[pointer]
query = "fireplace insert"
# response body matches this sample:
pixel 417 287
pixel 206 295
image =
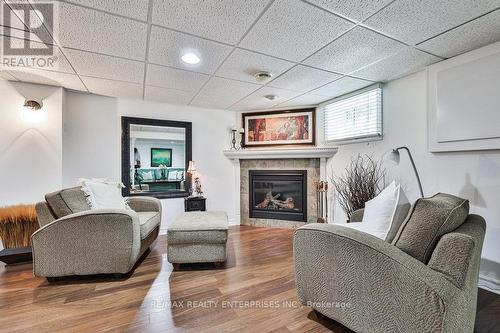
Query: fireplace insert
pixel 278 194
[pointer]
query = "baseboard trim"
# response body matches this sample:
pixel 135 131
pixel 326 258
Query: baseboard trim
pixel 489 284
pixel 233 221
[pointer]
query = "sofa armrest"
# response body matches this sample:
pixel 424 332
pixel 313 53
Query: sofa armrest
pixel 90 242
pixel 144 204
pixel 452 257
pixel 357 215
pixel 366 283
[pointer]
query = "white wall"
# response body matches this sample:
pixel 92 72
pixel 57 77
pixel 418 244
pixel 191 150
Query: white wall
pixel 94 122
pixel 30 143
pixel 472 175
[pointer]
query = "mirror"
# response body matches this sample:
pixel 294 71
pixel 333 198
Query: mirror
pixel 155 156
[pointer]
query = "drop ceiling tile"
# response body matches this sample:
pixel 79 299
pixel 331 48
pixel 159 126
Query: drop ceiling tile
pixel 113 88
pixel 480 32
pixel 166 95
pixel 166 48
pixel 55 62
pixel 257 100
pixel 221 93
pixel 130 8
pixel 302 78
pixel 106 67
pixel 242 65
pixel 211 102
pixel 304 100
pixel 90 30
pixel 66 80
pixel 415 21
pixel 354 9
pixel 225 21
pixel 173 78
pixel 402 63
pixel 357 48
pixel 294 30
pixel 341 87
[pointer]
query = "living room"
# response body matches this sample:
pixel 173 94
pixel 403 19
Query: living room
pixel 255 166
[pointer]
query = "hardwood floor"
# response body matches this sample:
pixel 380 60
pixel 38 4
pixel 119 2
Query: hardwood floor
pixel 253 293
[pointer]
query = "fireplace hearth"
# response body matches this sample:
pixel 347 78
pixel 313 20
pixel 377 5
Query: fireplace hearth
pixel 278 194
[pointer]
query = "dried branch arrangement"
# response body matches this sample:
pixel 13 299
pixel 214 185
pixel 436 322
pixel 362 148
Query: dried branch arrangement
pixel 17 224
pixel 363 179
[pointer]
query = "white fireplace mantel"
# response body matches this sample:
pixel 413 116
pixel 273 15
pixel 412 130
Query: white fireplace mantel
pixel 322 153
pixel 246 154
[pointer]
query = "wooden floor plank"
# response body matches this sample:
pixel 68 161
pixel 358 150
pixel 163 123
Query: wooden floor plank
pixel 235 298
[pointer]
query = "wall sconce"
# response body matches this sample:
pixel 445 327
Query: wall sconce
pixel 33 105
pixel 32 111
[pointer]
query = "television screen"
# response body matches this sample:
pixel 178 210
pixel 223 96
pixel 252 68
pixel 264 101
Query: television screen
pixel 161 156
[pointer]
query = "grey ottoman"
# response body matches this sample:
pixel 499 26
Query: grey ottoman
pixel 196 237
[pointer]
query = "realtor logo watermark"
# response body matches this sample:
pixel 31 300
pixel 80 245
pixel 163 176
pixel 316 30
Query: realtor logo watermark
pixel 30 46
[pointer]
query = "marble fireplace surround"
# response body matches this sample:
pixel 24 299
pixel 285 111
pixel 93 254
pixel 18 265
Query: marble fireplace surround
pixel 312 159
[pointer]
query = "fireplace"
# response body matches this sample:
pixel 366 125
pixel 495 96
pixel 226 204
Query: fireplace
pixel 278 194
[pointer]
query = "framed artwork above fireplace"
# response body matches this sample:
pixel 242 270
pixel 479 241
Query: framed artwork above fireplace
pixel 278 128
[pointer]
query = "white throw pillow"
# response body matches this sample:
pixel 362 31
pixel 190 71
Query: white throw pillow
pixel 103 194
pixel 385 213
pixel 364 227
pixel 379 211
pixel 172 175
pixel 148 175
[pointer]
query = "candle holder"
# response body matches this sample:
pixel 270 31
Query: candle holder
pixel 233 141
pixel 242 137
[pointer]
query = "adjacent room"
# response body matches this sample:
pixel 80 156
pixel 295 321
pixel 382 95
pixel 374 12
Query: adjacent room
pixel 250 166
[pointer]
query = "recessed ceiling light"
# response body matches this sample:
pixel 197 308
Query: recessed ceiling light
pixel 190 58
pixel 262 76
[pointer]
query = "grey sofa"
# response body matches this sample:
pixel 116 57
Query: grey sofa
pixel 424 281
pixel 74 240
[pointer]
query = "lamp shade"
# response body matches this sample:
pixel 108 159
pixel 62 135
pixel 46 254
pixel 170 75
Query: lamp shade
pixel 392 155
pixel 191 167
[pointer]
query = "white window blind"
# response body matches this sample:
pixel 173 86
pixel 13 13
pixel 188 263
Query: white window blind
pixel 355 117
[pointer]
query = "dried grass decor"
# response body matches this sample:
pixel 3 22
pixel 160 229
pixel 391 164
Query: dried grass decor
pixel 17 224
pixel 362 180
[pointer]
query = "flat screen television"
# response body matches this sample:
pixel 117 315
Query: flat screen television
pixel 161 156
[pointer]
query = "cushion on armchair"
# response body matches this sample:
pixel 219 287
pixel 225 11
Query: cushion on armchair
pixel 429 219
pixel 67 201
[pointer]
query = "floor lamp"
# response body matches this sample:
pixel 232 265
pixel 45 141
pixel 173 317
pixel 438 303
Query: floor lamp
pixel 393 155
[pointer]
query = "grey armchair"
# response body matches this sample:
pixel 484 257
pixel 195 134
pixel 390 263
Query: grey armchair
pixel 74 240
pixel 370 285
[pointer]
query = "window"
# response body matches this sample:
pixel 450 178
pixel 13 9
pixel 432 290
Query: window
pixel 357 116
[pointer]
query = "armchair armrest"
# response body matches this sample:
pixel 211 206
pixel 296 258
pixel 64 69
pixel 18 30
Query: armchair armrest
pixel 91 242
pixel 366 283
pixel 452 257
pixel 144 204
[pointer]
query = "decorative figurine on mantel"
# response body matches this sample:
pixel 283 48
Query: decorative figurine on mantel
pixel 197 184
